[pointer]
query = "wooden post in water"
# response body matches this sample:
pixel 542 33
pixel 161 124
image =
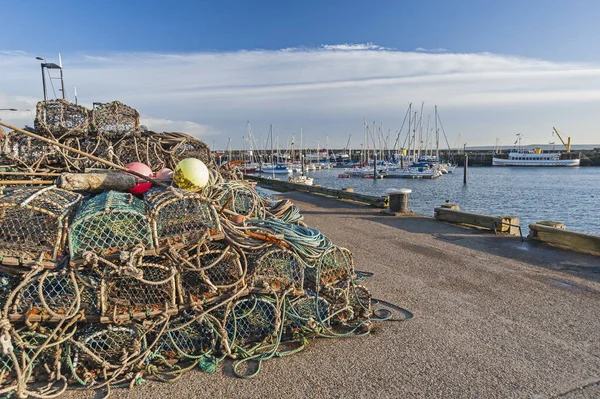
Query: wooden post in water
pixel 374 165
pixel 466 165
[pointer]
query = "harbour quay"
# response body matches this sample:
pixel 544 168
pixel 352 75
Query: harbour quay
pixel 493 316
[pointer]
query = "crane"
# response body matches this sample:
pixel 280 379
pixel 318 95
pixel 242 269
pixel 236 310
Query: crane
pixel 567 144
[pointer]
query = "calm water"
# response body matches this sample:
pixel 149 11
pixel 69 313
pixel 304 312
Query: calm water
pixel 569 195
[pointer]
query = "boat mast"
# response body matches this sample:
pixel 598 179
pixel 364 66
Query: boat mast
pixel 272 162
pixel 437 137
pixel 421 130
pixel 301 155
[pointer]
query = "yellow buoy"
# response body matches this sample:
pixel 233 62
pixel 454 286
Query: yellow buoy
pixel 191 174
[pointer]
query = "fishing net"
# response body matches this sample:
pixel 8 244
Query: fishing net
pixel 179 216
pixel 109 290
pixel 108 223
pixel 33 222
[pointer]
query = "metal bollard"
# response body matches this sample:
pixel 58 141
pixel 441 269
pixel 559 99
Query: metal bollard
pixel 399 200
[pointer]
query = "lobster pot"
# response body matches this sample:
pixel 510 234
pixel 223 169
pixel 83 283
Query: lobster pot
pixel 251 320
pixel 359 298
pixel 58 118
pixel 54 296
pixel 150 287
pixel 209 267
pixel 334 269
pixel 278 269
pixel 238 198
pixel 115 120
pixel 97 146
pixel 184 339
pixel 34 222
pixel 180 146
pixel 97 347
pixel 306 310
pixel 179 216
pixel 108 223
pixel 26 153
pixel 8 282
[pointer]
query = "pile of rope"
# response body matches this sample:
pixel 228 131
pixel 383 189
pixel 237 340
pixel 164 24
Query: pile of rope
pixel 110 290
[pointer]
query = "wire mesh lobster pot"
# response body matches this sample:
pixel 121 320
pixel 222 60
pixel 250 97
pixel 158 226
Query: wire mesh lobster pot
pixel 238 198
pixel 36 356
pixel 34 222
pixel 54 296
pixel 359 298
pixel 26 153
pixel 334 269
pixel 115 120
pixel 209 269
pixel 97 146
pixel 180 145
pixel 250 321
pixel 97 351
pixel 309 311
pixel 59 118
pixel 186 339
pixel 278 269
pixel 147 289
pixel 179 216
pixel 108 223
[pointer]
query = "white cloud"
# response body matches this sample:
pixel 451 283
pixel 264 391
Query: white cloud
pixel 432 50
pixel 328 90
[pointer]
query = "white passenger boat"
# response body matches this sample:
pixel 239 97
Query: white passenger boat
pixel 534 158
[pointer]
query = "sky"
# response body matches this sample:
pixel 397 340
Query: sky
pixel 493 68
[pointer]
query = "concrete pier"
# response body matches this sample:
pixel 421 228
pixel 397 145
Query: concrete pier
pixel 494 318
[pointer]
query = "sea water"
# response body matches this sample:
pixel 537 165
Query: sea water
pixel 569 195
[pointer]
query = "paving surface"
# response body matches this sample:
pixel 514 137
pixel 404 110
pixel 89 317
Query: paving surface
pixel 494 317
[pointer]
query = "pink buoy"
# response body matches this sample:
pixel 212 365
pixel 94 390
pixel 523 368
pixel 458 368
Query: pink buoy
pixel 164 174
pixel 142 186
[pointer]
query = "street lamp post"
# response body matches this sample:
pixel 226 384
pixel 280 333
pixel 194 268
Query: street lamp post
pixel 50 65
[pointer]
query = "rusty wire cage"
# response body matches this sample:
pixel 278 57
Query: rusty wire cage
pixel 108 223
pixel 276 268
pixel 115 120
pixel 179 216
pixel 58 118
pixel 34 221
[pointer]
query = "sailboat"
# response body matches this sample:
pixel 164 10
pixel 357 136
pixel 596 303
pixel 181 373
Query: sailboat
pixel 273 167
pixel 302 179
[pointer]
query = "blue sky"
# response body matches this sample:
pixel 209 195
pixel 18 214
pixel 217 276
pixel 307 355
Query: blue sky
pixel 496 68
